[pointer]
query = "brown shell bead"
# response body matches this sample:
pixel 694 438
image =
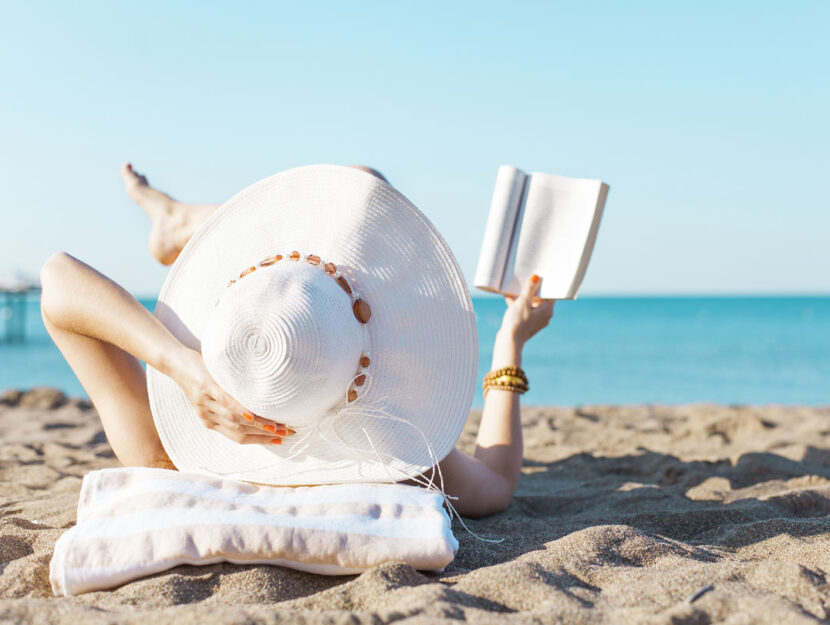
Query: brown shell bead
pixel 361 311
pixel 247 271
pixel 344 284
pixel 364 361
pixel 330 268
pixel 352 395
pixel 295 256
pixel 359 380
pixel 314 260
pixel 267 262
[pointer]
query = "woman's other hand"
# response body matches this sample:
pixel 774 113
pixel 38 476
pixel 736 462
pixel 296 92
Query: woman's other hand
pixel 221 412
pixel 526 314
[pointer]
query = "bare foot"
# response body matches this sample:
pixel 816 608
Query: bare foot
pixel 174 222
pixel 171 227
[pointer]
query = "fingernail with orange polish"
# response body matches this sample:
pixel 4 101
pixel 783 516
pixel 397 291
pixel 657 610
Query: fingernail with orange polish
pixel 534 278
pixel 248 416
pixel 270 428
pixel 282 432
pixel 276 441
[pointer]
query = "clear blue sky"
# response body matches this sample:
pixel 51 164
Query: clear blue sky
pixel 708 119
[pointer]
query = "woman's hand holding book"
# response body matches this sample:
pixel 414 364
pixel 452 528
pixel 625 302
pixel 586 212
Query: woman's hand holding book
pixel 526 314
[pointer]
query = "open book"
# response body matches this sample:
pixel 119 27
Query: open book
pixel 542 224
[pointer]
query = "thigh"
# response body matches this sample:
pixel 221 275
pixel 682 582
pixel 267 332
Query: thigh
pixel 116 384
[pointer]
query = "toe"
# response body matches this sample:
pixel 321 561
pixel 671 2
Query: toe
pixel 131 176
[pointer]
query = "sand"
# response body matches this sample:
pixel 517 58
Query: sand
pixel 624 514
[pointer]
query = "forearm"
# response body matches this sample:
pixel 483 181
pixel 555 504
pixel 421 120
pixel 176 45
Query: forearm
pixel 499 441
pixel 484 483
pixel 79 299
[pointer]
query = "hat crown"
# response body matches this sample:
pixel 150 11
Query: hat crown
pixel 283 341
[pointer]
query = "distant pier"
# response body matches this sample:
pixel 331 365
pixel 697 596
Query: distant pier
pixel 13 302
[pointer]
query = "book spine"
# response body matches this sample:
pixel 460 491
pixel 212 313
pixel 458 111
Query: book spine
pixel 500 230
pixel 509 274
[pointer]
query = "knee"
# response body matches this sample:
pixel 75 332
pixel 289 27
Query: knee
pixel 53 282
pixel 55 265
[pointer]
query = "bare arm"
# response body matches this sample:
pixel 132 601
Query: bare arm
pixel 485 482
pixel 80 300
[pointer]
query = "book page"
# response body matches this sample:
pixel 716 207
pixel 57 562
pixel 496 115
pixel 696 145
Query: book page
pixel 556 232
pixel 501 225
pixel 589 244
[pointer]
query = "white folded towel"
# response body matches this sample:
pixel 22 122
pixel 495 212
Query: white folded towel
pixel 137 521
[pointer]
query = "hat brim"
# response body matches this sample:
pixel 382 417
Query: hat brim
pixel 424 348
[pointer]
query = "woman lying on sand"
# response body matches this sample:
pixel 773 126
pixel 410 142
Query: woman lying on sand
pixel 104 333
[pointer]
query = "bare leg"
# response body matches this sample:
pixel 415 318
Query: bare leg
pixel 175 222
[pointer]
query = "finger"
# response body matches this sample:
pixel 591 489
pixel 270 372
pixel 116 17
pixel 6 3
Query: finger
pixel 509 299
pixel 530 288
pixel 222 415
pixel 262 423
pixel 538 300
pixel 247 439
pixel 237 431
pixel 233 421
pixel 223 419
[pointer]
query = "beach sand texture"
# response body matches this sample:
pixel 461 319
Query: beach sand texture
pixel 624 514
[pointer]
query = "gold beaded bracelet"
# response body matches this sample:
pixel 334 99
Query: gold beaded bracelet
pixel 505 387
pixel 507 379
pixel 506 371
pixel 512 370
pixel 510 380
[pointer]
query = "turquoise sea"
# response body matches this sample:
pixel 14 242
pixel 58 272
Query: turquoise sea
pixel 605 350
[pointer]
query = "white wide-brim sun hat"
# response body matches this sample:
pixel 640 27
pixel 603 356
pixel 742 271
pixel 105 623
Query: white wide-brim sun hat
pixel 322 298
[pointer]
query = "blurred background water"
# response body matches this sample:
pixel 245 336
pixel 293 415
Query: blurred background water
pixel 603 350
